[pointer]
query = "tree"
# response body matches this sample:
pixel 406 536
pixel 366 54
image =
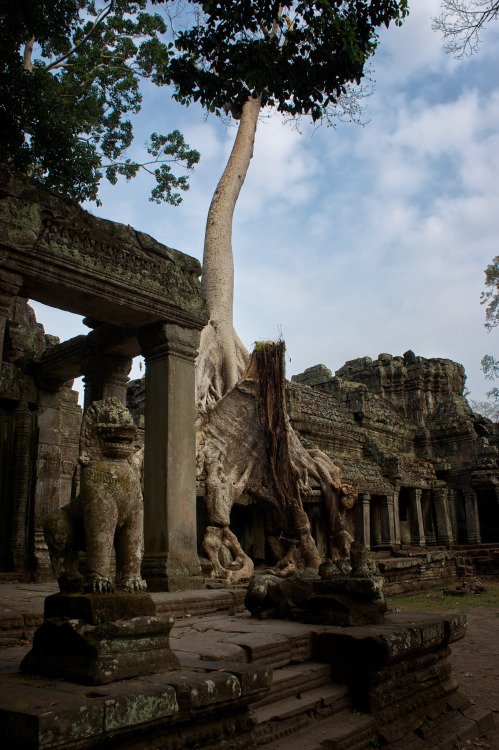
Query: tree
pixel 299 58
pixel 70 74
pixel 490 365
pixel 461 24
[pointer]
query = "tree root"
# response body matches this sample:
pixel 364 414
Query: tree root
pixel 246 444
pixel 242 565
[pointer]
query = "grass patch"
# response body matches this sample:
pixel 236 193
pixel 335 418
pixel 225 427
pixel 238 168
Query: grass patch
pixel 436 600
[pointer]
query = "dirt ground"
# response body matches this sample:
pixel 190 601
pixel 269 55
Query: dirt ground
pixel 475 664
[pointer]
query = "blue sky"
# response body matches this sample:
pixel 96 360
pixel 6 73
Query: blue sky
pixel 356 240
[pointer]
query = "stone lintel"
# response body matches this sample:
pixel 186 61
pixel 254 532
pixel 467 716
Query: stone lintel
pixel 72 260
pixel 62 362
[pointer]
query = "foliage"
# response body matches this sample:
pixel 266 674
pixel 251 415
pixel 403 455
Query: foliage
pixel 491 296
pixel 461 23
pixel 64 116
pixel 300 57
pixel 489 408
pixel 437 601
pixel 490 365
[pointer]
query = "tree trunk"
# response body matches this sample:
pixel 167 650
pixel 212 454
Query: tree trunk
pixel 222 357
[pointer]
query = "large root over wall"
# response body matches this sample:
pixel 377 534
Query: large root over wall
pixel 246 444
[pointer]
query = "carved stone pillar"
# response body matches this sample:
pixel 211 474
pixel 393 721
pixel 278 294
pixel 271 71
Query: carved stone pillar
pixel 363 520
pixel 444 522
pixel 106 375
pixel 417 526
pixel 376 534
pixel 390 518
pixel 427 512
pixel 170 541
pixel 396 515
pixel 10 283
pixel 472 520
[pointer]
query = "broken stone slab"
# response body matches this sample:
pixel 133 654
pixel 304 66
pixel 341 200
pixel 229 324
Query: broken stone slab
pixel 335 599
pixel 99 654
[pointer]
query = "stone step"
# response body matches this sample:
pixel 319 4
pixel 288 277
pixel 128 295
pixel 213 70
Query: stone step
pixel 294 714
pixel 295 680
pixel 347 730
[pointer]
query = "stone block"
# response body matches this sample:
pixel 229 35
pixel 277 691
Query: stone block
pixel 96 655
pixel 483 717
pixel 98 608
pixel 204 691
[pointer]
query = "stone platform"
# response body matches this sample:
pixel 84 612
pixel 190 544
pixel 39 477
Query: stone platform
pixel 332 688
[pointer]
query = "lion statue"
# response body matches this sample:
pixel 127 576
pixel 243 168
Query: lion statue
pixel 108 509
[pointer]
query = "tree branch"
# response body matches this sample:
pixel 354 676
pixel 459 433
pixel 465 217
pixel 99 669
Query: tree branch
pixel 102 15
pixel 28 51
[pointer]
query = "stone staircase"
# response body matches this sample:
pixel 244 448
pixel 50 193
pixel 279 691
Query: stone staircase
pixel 414 704
pixel 306 711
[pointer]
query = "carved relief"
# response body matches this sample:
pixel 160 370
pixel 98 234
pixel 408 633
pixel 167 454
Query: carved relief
pixel 109 507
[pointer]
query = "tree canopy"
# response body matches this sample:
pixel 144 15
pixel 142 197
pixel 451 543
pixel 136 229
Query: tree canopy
pixel 70 75
pixel 298 56
pixel 461 23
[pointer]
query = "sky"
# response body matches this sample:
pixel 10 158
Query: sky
pixel 358 240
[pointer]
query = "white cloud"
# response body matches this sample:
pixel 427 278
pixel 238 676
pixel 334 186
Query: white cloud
pixel 359 240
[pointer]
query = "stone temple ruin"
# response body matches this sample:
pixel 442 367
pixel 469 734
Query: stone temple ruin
pixel 424 466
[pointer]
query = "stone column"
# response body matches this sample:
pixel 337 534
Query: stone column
pixel 472 520
pixel 170 541
pixel 106 375
pixel 10 283
pixel 396 515
pixel 416 517
pixel 390 513
pixel 444 523
pixel 428 525
pixel 376 536
pixel 363 520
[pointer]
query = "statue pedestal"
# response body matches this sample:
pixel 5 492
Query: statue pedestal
pixel 86 639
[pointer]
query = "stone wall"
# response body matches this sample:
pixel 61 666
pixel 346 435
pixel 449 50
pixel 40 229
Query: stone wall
pixel 39 446
pixel 425 465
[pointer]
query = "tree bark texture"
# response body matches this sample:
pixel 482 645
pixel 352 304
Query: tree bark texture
pixel 246 444
pixel 222 357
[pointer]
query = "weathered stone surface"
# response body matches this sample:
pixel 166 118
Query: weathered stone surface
pixel 109 508
pixel 65 254
pixel 99 654
pixel 98 608
pixel 190 709
pixel 425 465
pixel 344 594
